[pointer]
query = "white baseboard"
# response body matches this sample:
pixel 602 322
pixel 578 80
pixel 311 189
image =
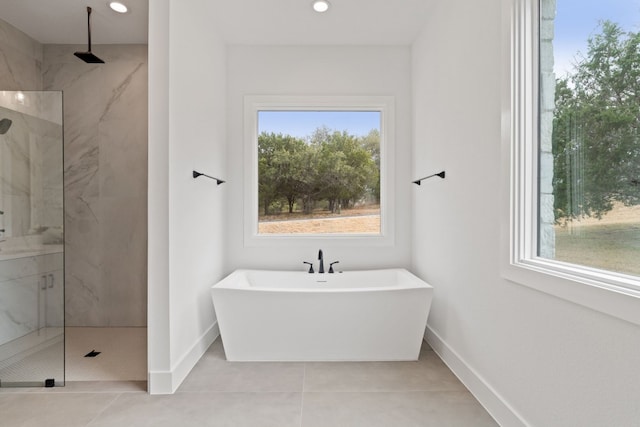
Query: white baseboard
pixel 499 409
pixel 167 382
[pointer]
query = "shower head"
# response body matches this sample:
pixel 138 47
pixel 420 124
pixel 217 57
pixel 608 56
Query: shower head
pixel 88 56
pixel 5 124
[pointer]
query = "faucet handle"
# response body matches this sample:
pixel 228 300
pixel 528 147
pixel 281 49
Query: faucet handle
pixel 331 266
pixel 310 266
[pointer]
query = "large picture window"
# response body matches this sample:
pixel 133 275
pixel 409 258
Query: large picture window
pixel 317 168
pixel 589 139
pixel 572 151
pixel 318 172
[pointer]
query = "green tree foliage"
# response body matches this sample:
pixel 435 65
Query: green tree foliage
pixel 281 172
pixel 596 143
pixel 371 143
pixel 329 166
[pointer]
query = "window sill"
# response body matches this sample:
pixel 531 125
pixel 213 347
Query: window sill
pixel 569 284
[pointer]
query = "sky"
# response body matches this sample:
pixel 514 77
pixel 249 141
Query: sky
pixel 302 123
pixel 577 20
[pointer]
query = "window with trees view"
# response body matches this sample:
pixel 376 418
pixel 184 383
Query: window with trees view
pixel 318 169
pixel 319 172
pixel 589 134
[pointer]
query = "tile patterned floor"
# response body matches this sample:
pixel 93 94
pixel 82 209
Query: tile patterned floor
pixel 263 394
pixel 123 354
pixel 123 357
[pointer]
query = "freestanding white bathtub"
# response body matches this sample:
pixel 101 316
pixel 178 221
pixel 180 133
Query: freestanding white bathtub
pixel 296 316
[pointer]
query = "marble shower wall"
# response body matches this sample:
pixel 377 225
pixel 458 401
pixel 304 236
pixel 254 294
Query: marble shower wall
pixel 20 60
pixel 105 125
pixel 31 169
pixel 105 132
pixel 20 69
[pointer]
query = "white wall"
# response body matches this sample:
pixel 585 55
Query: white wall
pixel 186 216
pixel 318 70
pixel 531 358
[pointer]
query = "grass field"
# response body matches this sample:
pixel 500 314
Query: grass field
pixel 612 243
pixel 349 221
pixel 369 224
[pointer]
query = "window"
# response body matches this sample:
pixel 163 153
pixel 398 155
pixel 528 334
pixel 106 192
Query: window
pixel 318 169
pixel 319 172
pixel 574 151
pixel 589 140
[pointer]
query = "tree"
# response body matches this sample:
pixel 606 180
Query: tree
pixel 344 168
pixel 280 169
pixel 371 143
pixel 596 141
pixel 267 147
pixel 329 166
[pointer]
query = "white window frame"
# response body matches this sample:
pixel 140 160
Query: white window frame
pixel 255 103
pixel 608 292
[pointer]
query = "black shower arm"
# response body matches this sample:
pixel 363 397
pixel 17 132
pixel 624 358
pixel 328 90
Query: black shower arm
pixel 197 174
pixel 440 174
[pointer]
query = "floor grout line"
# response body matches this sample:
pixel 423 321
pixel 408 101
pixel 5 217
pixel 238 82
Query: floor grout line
pixel 116 397
pixel 310 409
pixel 304 380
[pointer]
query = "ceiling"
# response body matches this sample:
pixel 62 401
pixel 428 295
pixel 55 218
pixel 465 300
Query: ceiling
pixel 65 21
pixel 374 22
pixel 293 22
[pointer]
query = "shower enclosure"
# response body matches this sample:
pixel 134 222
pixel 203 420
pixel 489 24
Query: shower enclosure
pixel 31 239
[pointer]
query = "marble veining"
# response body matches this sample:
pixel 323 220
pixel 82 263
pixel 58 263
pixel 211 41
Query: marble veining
pixel 18 307
pixel 105 173
pixel 105 182
pixel 30 165
pixel 120 90
pixel 20 60
pixel 31 288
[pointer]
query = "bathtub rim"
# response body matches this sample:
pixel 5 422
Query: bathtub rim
pixel 238 281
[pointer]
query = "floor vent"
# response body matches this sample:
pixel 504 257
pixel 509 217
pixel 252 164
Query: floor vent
pixel 92 353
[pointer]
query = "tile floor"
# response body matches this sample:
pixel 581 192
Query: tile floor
pixel 220 393
pixel 123 357
pixel 123 354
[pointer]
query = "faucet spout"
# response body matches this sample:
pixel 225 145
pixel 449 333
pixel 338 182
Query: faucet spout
pixel 321 258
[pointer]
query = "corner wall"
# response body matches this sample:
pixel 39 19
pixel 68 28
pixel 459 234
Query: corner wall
pixel 530 358
pixel 186 216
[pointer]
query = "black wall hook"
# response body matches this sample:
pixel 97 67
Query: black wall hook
pixel 440 174
pixel 197 174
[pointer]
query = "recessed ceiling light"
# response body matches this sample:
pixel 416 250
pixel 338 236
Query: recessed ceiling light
pixel 118 7
pixel 320 5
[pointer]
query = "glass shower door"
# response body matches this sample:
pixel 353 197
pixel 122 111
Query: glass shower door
pixel 31 239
